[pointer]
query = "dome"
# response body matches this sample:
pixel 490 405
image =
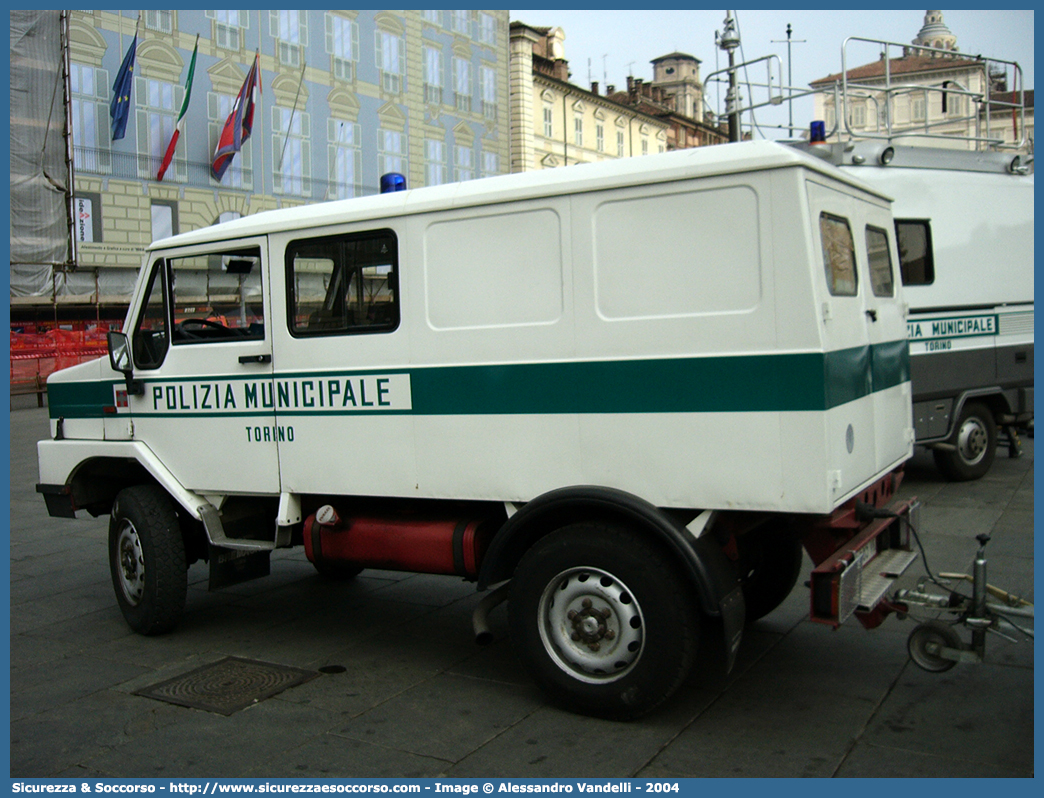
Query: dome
pixel 934 33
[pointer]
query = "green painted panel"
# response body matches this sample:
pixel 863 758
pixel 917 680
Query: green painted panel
pixel 749 383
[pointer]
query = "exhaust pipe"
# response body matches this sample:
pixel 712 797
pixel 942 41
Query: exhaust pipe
pixel 480 618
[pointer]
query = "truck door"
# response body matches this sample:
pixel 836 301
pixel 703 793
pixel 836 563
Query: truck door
pixel 859 331
pixel 202 350
pixel 890 357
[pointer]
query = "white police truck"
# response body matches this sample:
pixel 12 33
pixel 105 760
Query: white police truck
pixel 623 396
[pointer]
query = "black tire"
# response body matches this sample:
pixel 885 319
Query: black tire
pixel 147 559
pixel 603 620
pixel 975 444
pixel 769 565
pixel 337 571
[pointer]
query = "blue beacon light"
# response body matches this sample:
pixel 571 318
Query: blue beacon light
pixel 392 181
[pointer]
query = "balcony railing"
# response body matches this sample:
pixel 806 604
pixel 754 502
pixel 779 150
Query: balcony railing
pixel 132 166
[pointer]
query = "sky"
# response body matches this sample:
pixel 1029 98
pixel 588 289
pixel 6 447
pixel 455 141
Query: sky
pixel 617 43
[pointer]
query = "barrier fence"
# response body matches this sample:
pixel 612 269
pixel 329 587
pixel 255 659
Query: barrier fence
pixel 36 353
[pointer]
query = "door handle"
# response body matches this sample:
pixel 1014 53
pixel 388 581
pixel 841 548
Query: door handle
pixel 872 314
pixel 255 358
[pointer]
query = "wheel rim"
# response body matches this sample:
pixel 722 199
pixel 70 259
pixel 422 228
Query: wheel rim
pixel 972 440
pixel 130 563
pixel 591 625
pixel 925 643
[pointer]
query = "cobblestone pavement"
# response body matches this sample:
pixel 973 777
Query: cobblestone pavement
pixel 411 695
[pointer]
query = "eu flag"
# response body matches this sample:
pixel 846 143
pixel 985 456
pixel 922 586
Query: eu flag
pixel 119 107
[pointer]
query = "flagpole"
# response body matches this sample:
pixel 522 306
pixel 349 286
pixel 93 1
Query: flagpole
pixel 293 111
pixel 261 132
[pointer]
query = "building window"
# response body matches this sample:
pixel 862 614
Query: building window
pixel 434 17
pixel 462 84
pixel 460 22
pixel 488 88
pixel 600 137
pixel 158 105
pixel 345 158
pixel 291 152
pixel 917 109
pixel 462 158
pixel 859 115
pixel 490 164
pixel 548 122
pixel 391 152
pixel 645 146
pixel 578 131
pixel 164 219
pixel 434 162
pixel 162 21
pixel 390 61
pixel 90 118
pixel 228 28
pixel 240 173
pixel 228 216
pixel 342 43
pixel 619 144
pixel 290 30
pixel 487 29
pixel 433 75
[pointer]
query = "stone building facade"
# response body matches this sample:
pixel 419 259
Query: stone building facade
pixel 885 97
pixel 345 96
pixel 555 123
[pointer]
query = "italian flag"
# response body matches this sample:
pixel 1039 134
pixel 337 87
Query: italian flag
pixel 169 156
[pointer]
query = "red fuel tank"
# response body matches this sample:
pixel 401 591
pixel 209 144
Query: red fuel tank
pixel 425 546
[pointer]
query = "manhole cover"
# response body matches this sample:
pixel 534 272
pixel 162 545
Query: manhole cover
pixel 227 686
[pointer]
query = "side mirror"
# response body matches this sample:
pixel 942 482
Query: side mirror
pixel 120 360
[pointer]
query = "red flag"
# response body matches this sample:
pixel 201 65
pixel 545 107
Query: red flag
pixel 239 124
pixel 169 156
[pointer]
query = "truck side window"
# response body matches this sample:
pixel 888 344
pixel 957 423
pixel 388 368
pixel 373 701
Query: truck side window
pixel 217 297
pixel 150 333
pixel 838 255
pixel 880 260
pixel 343 284
pixel 916 261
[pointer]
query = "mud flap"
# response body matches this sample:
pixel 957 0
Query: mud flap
pixel 233 566
pixel 733 618
pixel 722 594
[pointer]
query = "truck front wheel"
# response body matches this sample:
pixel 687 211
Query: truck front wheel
pixel 603 620
pixel 974 445
pixel 147 559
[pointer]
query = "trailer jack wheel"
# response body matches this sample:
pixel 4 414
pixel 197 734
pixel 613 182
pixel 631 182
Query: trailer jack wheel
pixel 926 641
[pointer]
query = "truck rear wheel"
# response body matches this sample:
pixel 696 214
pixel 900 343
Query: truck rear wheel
pixel 603 620
pixel 975 444
pixel 147 559
pixel 769 563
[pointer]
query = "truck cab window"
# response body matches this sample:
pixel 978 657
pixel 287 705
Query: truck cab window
pixel 217 297
pixel 343 284
pixel 916 262
pixel 150 333
pixel 880 260
pixel 838 255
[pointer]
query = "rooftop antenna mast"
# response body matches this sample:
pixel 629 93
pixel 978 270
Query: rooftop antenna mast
pixel 729 41
pixel 790 77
